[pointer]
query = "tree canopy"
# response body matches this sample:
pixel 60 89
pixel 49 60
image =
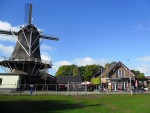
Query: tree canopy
pixel 96 80
pixel 138 74
pixel 72 70
pixel 91 70
pixel 66 70
pixel 88 71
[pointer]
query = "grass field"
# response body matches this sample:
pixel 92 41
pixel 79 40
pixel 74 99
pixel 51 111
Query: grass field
pixel 76 104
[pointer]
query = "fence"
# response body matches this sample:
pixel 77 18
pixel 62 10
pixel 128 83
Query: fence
pixel 56 89
pixel 43 89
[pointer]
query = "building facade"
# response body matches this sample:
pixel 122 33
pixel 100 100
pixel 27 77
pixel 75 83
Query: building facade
pixel 9 81
pixel 117 77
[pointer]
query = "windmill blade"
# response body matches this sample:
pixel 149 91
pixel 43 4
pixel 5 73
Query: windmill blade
pixel 8 32
pixel 49 37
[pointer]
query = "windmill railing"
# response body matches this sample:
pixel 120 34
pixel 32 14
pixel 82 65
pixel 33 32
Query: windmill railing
pixel 37 60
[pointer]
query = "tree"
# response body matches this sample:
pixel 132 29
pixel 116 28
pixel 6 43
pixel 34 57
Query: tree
pixel 81 70
pixel 96 80
pixel 75 71
pixel 138 74
pixel 66 70
pixel 72 70
pixel 90 71
pixel 141 75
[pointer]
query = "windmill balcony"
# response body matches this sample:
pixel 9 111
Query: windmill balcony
pixel 33 59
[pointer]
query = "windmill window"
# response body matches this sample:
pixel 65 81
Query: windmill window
pixel 0 81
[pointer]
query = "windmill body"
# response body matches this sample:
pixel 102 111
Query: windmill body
pixel 26 57
pixel 29 38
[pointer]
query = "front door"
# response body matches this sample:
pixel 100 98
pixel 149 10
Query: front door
pixel 121 86
pixel 114 86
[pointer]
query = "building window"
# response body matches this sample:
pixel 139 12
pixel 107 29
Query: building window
pixel 120 74
pixel 116 74
pixel 0 81
pixel 123 74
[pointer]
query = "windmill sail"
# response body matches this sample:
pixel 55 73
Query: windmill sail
pixel 8 32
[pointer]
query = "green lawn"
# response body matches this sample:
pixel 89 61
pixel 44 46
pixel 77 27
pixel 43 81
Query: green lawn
pixel 76 104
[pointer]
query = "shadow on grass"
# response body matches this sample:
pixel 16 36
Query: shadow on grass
pixel 43 106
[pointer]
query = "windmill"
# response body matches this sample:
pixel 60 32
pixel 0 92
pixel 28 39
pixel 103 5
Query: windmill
pixel 26 57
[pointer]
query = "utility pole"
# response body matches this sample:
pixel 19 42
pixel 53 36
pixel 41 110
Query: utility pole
pixel 101 78
pixel 130 86
pixel 130 78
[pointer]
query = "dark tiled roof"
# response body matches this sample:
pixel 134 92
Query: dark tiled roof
pixel 106 71
pixel 97 74
pixel 66 79
pixel 49 79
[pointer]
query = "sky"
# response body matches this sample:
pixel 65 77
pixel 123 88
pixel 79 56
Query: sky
pixel 90 31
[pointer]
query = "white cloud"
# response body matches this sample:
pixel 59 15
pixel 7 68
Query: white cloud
pixel 45 56
pixel 144 69
pixel 6 50
pixel 8 26
pixel 89 61
pixel 84 61
pixel 60 63
pixel 144 59
pixel 145 66
pixel 45 47
pixel 5 38
pixel 56 65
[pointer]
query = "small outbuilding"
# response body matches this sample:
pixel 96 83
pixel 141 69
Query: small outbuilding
pixel 64 80
pixel 9 81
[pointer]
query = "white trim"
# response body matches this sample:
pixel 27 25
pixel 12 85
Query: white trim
pixel 30 44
